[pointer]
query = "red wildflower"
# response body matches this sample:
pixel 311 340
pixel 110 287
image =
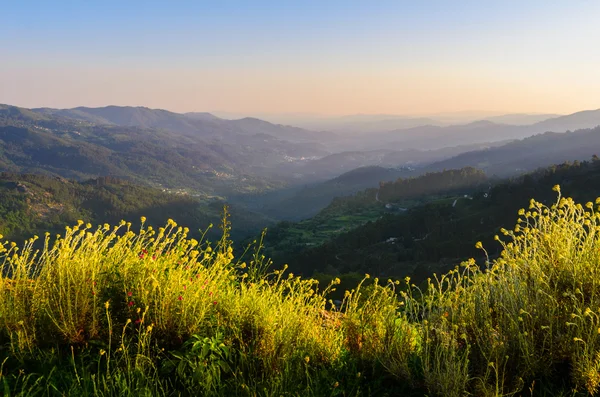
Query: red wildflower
pixel 153 257
pixel 180 297
pixel 129 293
pixel 130 303
pixel 138 321
pixel 214 302
pixel 184 287
pixel 210 293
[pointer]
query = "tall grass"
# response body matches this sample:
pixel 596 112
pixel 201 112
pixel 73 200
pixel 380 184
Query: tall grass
pixel 113 311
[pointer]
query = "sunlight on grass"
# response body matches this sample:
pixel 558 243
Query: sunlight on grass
pixel 112 311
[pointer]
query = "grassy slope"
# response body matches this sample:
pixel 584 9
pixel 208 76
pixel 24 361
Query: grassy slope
pixel 152 312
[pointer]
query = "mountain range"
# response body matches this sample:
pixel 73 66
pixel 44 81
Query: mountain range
pixel 274 166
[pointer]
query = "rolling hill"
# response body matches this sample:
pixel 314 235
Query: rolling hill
pixel 527 154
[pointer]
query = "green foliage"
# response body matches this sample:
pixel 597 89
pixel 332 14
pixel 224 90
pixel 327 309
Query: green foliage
pixel 32 204
pixel 289 241
pixel 450 181
pixel 433 236
pixel 113 312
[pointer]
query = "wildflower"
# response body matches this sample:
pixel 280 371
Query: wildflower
pixel 106 304
pixel 131 303
pixel 129 293
pixel 307 359
pixel 143 219
pixel 138 321
pixel 180 298
pixel 556 188
pixel 336 384
pixel 478 245
pixel 184 287
pixel 214 302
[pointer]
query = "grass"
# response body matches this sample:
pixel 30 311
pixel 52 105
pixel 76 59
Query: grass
pixel 109 311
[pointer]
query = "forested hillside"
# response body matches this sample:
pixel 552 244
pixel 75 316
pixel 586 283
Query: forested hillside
pixel 34 204
pixel 345 213
pixel 433 237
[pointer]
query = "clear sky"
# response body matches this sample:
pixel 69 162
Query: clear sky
pixel 325 57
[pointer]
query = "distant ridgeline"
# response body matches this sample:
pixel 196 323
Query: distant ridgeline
pixel 437 235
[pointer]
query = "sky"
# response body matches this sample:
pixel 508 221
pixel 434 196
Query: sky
pixel 324 57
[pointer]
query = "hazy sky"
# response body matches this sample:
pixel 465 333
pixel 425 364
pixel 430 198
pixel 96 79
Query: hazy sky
pixel 327 56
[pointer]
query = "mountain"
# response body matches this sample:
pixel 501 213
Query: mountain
pixel 436 137
pixel 33 204
pixel 527 154
pixel 202 116
pixel 521 118
pixel 205 125
pixel 307 201
pixel 335 164
pixel 252 126
pixel 154 147
pixel 571 122
pixel 364 124
pixel 432 237
pixel 344 214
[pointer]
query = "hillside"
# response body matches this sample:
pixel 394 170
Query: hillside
pixel 307 201
pixel 436 137
pixel 33 204
pixel 216 161
pixel 524 155
pixel 205 125
pixel 155 312
pixel 344 214
pixel 434 236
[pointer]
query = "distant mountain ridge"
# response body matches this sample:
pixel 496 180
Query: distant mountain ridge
pixel 437 137
pixel 205 124
pixel 519 156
